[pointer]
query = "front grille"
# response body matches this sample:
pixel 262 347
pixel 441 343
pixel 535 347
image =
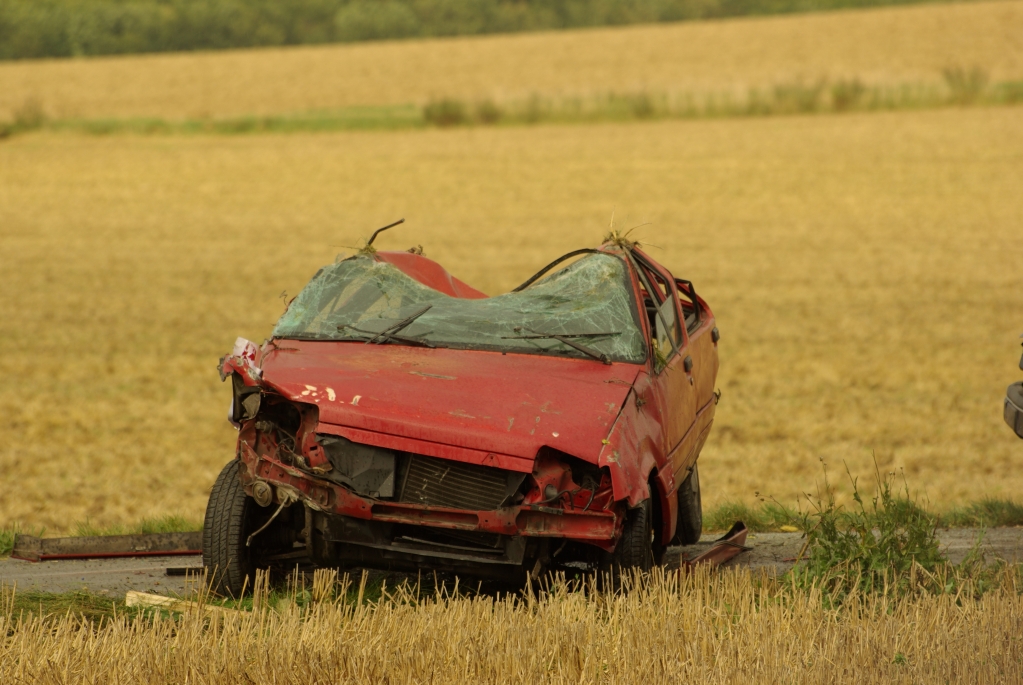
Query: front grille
pixel 444 483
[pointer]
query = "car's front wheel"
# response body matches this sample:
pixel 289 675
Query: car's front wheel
pixel 227 526
pixel 635 549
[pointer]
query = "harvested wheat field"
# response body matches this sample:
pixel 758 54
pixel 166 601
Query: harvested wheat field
pixel 894 45
pixel 864 270
pixel 698 627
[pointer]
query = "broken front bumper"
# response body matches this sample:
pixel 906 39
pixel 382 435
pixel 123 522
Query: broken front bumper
pixel 526 520
pixel 1013 410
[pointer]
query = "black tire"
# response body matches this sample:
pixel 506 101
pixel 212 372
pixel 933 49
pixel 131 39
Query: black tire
pixel 635 549
pixel 690 510
pixel 227 525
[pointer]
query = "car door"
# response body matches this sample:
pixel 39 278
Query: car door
pixel 702 339
pixel 673 381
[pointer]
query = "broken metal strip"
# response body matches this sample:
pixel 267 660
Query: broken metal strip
pixel 381 230
pixel 559 260
pixel 725 548
pixel 31 548
pixel 112 555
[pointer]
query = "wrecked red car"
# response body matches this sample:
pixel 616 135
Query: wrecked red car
pixel 398 418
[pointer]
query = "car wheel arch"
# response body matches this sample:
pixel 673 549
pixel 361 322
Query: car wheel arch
pixel 666 509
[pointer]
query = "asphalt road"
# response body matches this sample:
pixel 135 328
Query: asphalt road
pixel 115 577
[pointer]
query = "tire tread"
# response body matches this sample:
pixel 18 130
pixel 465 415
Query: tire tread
pixel 223 548
pixel 690 510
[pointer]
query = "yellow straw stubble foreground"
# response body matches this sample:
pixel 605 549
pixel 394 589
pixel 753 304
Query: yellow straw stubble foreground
pixel 895 45
pixel 865 271
pixel 696 627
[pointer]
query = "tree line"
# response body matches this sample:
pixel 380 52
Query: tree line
pixel 67 28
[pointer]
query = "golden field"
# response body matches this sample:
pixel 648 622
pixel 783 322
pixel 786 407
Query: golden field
pixel 864 269
pixel 700 627
pixel 896 45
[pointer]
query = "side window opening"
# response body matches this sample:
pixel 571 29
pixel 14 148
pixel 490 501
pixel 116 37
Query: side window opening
pixel 690 305
pixel 667 328
pixel 651 307
pixel 664 325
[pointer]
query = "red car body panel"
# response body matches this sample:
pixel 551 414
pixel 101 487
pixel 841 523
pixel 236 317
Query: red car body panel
pixel 431 400
pixel 644 425
pixel 429 272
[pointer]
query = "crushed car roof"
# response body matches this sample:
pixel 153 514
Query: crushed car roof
pixel 585 309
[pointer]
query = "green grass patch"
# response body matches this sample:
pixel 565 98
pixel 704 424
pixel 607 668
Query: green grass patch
pixel 759 518
pixel 146 526
pixel 7 535
pixel 959 88
pixel 765 517
pixel 987 513
pixel 90 606
pixel 11 531
pixel 348 119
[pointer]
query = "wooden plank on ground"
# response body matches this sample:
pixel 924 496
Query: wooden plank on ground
pixel 145 599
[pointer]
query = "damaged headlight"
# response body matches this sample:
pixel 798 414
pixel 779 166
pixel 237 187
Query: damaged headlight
pixel 245 401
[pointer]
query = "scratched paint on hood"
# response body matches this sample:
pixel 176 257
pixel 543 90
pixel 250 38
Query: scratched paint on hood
pixel 511 404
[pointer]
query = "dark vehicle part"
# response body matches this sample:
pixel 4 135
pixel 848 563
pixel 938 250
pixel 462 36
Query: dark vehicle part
pixel 690 510
pixel 559 260
pixel 347 542
pixel 443 483
pixel 365 469
pixel 231 518
pixel 635 547
pixel 381 230
pixel 1014 408
pixel 246 400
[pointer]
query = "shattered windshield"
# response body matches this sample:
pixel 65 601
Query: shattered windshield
pixel 584 310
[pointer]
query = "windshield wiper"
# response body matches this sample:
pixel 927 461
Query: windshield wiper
pixel 391 330
pixel 566 339
pixel 370 336
pixel 307 337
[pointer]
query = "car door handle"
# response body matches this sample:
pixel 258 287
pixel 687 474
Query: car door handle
pixel 687 363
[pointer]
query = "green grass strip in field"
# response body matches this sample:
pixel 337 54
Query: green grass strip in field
pixel 958 88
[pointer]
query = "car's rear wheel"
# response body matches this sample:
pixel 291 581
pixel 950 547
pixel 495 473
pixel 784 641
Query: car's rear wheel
pixel 635 549
pixel 690 510
pixel 227 526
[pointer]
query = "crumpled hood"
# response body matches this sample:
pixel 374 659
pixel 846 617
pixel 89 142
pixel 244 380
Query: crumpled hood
pixel 485 402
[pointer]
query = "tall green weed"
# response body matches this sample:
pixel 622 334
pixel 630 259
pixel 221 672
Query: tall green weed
pixel 888 545
pixel 875 545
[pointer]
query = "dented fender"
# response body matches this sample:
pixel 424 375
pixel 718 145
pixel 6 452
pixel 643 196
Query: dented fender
pixel 635 458
pixel 630 455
